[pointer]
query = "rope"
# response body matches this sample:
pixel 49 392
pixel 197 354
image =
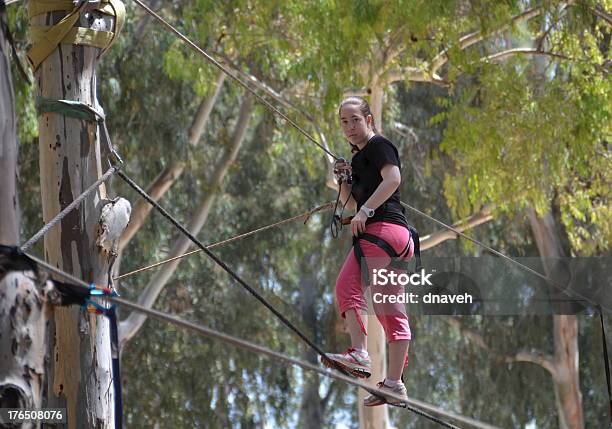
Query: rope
pixel 261 350
pixel 61 215
pixel 498 253
pixel 227 269
pixel 229 240
pixel 216 63
pixel 271 353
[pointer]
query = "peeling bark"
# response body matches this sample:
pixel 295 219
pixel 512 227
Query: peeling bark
pixel 24 314
pixel 24 309
pixel 130 326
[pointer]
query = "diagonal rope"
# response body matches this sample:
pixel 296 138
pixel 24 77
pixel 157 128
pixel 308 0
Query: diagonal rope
pixel 411 404
pixel 307 215
pixel 498 253
pixel 217 64
pixel 61 215
pixel 227 269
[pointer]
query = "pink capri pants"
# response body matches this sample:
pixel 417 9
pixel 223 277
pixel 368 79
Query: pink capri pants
pixel 350 290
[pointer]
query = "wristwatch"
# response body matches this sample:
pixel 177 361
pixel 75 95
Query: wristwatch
pixel 368 211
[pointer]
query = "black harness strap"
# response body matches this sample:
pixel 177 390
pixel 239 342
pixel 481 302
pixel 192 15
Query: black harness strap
pixel 396 258
pixel 116 364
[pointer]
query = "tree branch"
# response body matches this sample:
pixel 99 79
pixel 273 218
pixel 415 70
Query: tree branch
pixel 474 220
pixel 600 12
pixel 544 360
pixel 414 74
pixel 471 39
pixel 499 56
pixel 170 174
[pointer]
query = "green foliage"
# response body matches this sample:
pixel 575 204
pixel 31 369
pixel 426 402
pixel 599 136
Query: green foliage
pixel 546 143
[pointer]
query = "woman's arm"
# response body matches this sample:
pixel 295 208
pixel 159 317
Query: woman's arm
pixel 391 180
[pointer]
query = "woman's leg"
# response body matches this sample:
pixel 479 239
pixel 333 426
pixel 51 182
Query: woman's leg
pixel 398 350
pixel 353 307
pixel 357 320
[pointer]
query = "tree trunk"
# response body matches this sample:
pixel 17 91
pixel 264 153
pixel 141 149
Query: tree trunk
pixel 375 417
pixel 129 327
pixel 80 377
pixel 9 207
pixel 24 310
pixel 565 329
pixel 24 314
pixel 170 174
pixel 312 407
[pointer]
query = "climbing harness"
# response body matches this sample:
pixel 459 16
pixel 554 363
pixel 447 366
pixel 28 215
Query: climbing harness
pixel 397 259
pixel 343 176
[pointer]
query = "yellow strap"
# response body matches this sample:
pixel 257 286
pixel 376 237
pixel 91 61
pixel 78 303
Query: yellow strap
pixel 89 37
pixel 46 39
pixel 114 8
pixel 44 6
pixel 51 37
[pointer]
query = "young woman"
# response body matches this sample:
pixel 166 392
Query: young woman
pixel 374 195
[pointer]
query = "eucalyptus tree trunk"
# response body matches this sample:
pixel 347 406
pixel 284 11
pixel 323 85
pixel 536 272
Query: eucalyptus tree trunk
pixel 312 407
pixel 79 374
pixel 171 173
pixel 130 326
pixel 9 207
pixel 24 310
pixel 565 330
pixel 24 313
pixel 375 417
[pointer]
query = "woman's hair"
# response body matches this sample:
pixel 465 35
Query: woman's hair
pixel 364 108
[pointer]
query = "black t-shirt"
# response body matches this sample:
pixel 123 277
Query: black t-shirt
pixel 366 165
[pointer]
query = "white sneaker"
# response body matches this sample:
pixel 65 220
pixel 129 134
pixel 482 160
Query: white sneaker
pixel 358 364
pixel 380 399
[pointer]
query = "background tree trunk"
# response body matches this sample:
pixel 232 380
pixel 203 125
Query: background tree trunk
pixel 9 206
pixel 312 407
pixel 129 327
pixel 80 376
pixel 565 328
pixel 375 417
pixel 24 310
